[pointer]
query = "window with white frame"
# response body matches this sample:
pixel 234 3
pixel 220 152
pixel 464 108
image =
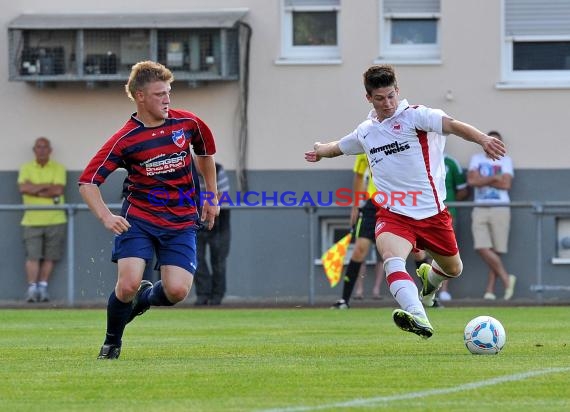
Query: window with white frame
pixel 409 30
pixel 310 29
pixel 536 42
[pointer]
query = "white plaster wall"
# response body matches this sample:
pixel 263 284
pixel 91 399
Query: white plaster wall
pixel 291 106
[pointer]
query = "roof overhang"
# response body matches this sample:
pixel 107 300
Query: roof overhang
pixel 222 18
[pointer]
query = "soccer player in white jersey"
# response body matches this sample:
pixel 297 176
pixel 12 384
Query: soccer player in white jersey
pixel 404 145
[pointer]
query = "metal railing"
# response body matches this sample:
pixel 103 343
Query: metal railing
pixel 540 209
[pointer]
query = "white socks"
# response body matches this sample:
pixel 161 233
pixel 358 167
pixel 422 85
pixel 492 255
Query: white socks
pixel 402 286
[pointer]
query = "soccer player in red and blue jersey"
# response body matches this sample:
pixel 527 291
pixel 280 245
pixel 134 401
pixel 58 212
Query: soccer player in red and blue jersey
pixel 159 214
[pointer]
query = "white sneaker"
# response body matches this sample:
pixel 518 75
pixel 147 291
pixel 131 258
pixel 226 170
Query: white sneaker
pixel 340 304
pixel 511 289
pixel 444 296
pixel 489 296
pixel 32 293
pixel 43 295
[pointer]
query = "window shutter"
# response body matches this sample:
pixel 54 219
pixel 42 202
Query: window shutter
pixel 319 3
pixel 532 17
pixel 411 6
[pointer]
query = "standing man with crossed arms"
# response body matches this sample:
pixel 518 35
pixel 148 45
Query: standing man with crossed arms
pixel 42 182
pixel 490 225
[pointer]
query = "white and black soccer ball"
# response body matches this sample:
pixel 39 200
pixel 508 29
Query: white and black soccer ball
pixel 484 335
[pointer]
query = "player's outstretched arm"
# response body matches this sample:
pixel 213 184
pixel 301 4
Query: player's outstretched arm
pixel 321 150
pixel 494 147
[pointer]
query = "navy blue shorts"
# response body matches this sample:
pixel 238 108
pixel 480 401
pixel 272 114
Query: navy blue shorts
pixel 144 240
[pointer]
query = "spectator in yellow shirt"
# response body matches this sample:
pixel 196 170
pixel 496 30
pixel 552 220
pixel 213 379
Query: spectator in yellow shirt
pixel 42 182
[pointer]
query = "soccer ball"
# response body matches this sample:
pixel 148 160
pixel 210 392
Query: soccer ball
pixel 484 335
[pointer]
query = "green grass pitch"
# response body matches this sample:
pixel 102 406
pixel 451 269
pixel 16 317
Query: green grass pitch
pixel 300 359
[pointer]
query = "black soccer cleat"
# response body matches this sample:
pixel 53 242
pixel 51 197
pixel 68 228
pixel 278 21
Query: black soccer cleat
pixel 136 308
pixel 109 351
pixel 409 322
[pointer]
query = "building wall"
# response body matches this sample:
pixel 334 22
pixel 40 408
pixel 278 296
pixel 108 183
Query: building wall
pixel 291 106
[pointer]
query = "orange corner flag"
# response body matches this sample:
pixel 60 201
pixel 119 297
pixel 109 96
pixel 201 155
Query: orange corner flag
pixel 333 259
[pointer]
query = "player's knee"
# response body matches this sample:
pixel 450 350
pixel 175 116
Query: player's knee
pixel 456 269
pixel 449 267
pixel 177 293
pixel 126 290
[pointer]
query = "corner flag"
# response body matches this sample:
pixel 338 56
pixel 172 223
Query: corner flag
pixel 333 259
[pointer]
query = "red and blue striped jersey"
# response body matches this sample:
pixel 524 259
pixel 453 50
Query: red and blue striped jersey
pixel 158 160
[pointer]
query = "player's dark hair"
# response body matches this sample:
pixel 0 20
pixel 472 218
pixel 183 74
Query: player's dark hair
pixel 146 72
pixel 378 77
pixel 495 134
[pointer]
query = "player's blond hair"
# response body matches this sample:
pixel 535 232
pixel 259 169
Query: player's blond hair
pixel 146 72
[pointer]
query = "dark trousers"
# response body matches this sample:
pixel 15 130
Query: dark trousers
pixel 210 277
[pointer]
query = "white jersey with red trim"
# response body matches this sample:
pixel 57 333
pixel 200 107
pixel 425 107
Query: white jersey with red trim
pixel 405 153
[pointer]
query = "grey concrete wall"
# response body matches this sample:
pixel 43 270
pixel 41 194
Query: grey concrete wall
pixel 270 250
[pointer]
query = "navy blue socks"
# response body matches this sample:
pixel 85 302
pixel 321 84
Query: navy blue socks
pixel 117 314
pixel 155 296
